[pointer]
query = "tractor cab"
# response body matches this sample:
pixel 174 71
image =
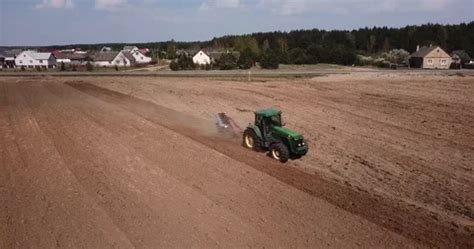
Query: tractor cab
pixel 268 133
pixel 266 120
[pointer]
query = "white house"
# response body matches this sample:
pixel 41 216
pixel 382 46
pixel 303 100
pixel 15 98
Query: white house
pixel 201 58
pixel 112 59
pixel 140 58
pixel 33 59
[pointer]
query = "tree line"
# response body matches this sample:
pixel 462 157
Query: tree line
pixel 344 47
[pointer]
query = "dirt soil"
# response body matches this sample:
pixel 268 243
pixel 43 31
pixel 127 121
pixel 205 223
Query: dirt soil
pixel 103 162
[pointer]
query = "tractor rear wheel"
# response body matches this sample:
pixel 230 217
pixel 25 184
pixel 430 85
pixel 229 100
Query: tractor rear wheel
pixel 250 140
pixel 280 152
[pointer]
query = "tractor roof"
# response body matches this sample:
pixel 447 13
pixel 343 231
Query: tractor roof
pixel 270 112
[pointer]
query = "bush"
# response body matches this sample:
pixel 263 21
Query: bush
pixel 174 66
pixel 22 68
pixel 116 68
pixel 227 62
pixel 270 60
pixel 89 67
pixel 364 60
pixel 397 56
pixel 184 62
pixel 63 66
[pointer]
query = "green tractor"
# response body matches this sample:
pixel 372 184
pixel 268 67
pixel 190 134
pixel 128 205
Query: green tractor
pixel 268 134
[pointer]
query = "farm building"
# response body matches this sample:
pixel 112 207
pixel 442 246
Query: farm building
pixel 33 59
pixel 432 57
pixel 112 59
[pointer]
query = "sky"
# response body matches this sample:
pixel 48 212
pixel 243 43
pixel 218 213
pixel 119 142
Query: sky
pixel 58 22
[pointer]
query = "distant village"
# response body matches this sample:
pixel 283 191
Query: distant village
pixel 431 57
pixel 129 56
pixel 32 59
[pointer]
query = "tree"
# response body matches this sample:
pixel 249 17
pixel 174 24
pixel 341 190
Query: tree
pixel 465 58
pixel 397 56
pixel 246 59
pixel 297 56
pixel 243 42
pixel 184 62
pixel 270 60
pixel 171 49
pixel 313 53
pixel 282 49
pixel 227 61
pixel 386 45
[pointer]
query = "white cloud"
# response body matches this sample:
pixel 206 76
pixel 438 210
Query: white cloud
pixel 215 4
pixel 435 5
pixel 109 4
pixel 56 4
pixel 295 7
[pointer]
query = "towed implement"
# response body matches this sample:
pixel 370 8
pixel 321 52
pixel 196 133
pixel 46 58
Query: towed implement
pixel 269 134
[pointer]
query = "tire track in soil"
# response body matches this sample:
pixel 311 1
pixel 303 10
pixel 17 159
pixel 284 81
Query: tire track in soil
pixel 403 218
pixel 111 186
pixel 43 200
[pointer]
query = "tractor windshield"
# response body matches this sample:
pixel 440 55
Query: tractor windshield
pixel 276 120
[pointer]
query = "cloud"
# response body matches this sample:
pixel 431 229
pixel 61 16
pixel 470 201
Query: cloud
pixel 435 5
pixel 216 4
pixel 55 4
pixel 109 5
pixel 296 7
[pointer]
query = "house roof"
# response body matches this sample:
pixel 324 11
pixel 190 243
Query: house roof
pixel 71 56
pixel 424 51
pixel 12 53
pixel 216 55
pixel 144 51
pixel 104 56
pixel 129 56
pixel 38 56
pixel 129 48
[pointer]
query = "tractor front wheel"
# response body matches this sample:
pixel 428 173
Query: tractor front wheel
pixel 250 140
pixel 280 152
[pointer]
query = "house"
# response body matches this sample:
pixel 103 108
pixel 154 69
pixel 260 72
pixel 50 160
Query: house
pixel 112 59
pixel 33 59
pixel 2 60
pixel 138 54
pixel 432 57
pixel 9 58
pixel 201 58
pixel 105 49
pixel 71 58
pixel 130 48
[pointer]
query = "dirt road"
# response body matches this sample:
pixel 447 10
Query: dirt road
pixel 105 162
